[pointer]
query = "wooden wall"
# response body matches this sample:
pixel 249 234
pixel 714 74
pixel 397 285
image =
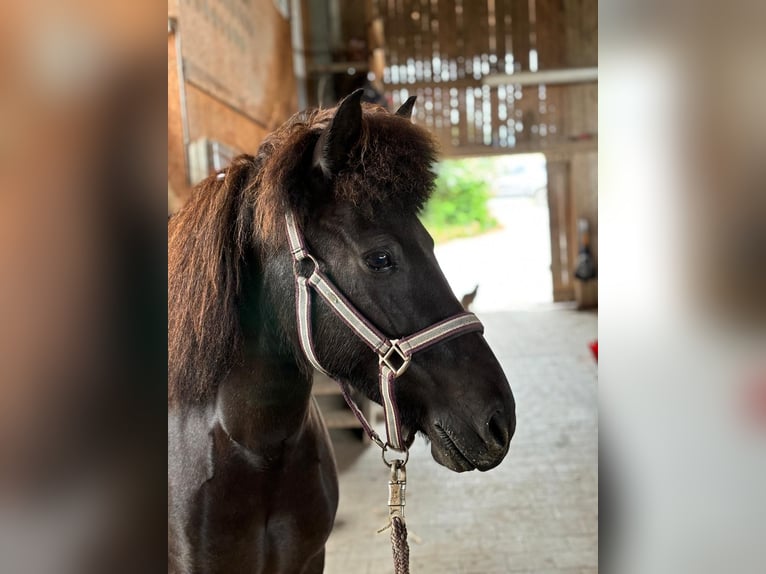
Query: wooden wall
pixel 239 82
pixel 440 50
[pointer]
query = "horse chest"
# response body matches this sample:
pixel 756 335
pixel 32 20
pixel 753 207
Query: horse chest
pixel 247 518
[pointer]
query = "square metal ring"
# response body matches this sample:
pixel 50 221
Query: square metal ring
pixel 386 359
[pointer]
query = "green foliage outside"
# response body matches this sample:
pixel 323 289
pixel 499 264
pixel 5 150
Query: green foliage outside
pixel 458 207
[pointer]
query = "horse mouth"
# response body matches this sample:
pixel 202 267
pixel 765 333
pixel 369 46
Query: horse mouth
pixel 447 453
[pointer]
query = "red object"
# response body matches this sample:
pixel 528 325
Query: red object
pixel 755 399
pixel 594 349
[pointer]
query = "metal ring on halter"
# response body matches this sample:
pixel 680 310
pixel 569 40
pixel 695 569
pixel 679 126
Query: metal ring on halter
pixel 390 463
pixel 385 359
pixel 297 262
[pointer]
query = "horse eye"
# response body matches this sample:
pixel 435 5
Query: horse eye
pixel 378 261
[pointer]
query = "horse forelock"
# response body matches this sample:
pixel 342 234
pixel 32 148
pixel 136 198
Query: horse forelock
pixel 390 167
pixel 211 237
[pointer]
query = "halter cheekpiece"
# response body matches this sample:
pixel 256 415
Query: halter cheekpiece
pixel 394 355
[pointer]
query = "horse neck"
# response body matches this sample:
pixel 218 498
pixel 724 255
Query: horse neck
pixel 263 402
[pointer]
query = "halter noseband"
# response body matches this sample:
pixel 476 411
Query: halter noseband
pixel 389 351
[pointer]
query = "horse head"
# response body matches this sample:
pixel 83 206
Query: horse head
pixel 356 178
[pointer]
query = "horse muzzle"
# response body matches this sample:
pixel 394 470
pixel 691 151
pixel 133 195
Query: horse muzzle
pixel 461 446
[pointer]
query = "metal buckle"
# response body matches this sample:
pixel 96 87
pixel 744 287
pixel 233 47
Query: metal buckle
pixel 397 486
pixel 395 461
pixel 386 359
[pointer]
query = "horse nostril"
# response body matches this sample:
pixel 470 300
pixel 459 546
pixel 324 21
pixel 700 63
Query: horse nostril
pixel 498 429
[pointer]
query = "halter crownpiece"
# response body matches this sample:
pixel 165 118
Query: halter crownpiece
pixel 394 355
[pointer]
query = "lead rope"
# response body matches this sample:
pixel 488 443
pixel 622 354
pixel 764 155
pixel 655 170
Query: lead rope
pixel 396 487
pixel 400 546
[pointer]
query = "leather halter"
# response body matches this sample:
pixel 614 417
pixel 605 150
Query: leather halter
pixel 394 355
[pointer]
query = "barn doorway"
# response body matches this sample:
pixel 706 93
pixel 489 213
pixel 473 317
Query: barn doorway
pixel 507 265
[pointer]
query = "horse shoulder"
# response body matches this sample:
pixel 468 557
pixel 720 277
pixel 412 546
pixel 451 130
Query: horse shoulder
pixel 190 466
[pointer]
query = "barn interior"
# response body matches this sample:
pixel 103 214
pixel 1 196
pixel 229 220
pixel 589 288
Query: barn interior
pixel 512 82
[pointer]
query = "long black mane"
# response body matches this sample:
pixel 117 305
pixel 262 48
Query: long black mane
pixel 219 229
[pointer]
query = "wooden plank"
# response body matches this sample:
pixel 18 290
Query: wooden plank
pixel 527 104
pixel 581 34
pixel 579 103
pixel 575 111
pixel 388 13
pixel 463 118
pixel 215 120
pixel 352 14
pixel 229 58
pixel 308 55
pixel 559 205
pixel 404 32
pixel 520 34
pixel 447 30
pixel 460 27
pixel 424 38
pixel 495 108
pixel 586 294
pixel 177 180
pixel 478 117
pixel 584 174
pixel 584 190
pixel 588 33
pixel 479 28
pixel 508 12
pixel 500 45
pixel 572 32
pixel 590 109
pixel 556 181
pixel 376 34
pixel 555 102
pixel 551 35
pixel 414 29
pixel 491 28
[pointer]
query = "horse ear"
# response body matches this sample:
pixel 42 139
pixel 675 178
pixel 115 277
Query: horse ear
pixel 405 110
pixel 337 139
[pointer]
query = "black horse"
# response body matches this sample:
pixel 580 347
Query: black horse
pixel 252 480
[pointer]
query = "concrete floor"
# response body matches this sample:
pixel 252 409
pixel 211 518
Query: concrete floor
pixel 536 512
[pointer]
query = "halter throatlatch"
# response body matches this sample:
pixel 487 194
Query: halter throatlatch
pixel 394 355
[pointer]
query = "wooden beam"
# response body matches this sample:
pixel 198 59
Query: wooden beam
pixel 459 83
pixel 338 67
pixel 563 76
pixel 550 147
